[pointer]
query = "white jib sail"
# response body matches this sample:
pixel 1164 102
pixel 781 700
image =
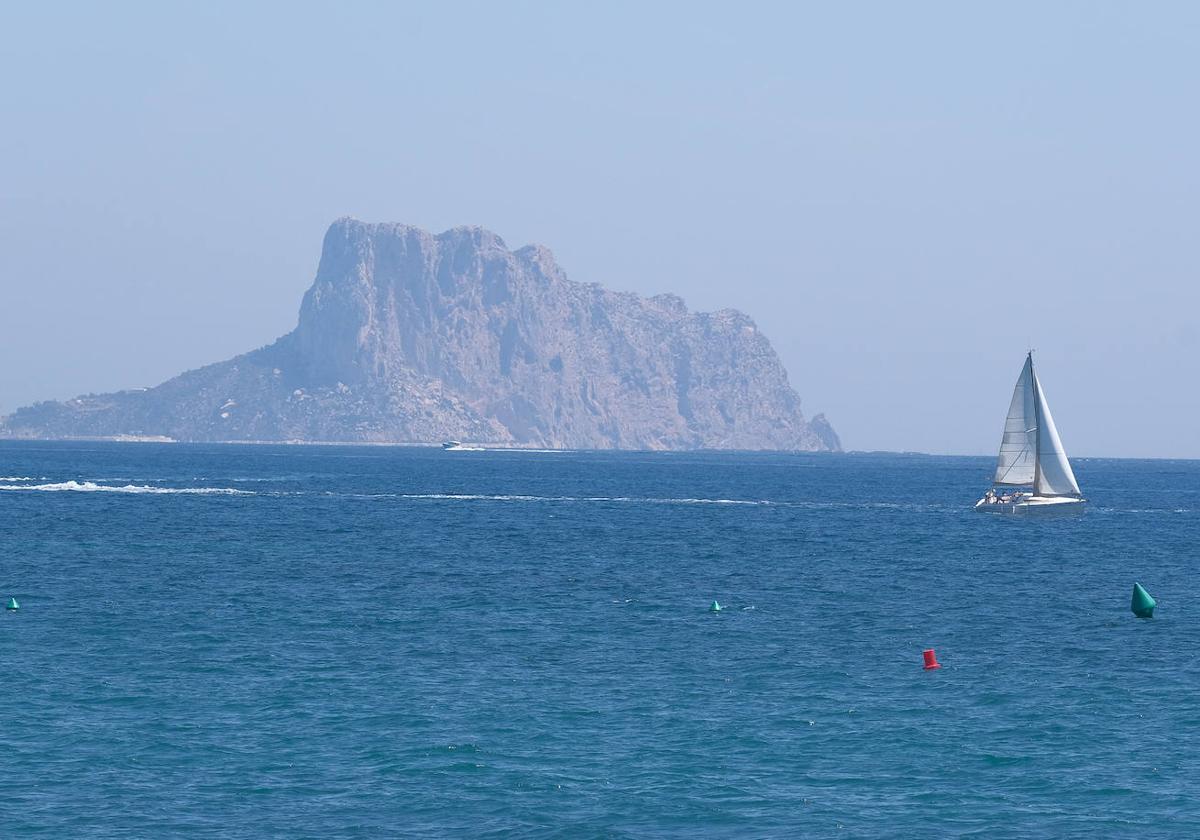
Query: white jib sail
pixel 1018 447
pixel 1054 476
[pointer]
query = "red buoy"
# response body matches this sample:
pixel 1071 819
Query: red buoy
pixel 931 660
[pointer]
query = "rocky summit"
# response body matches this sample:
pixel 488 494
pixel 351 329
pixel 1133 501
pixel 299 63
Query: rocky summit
pixel 410 337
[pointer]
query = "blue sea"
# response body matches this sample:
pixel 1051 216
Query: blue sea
pixel 304 641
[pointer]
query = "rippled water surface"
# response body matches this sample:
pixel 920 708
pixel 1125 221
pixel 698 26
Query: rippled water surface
pixel 255 641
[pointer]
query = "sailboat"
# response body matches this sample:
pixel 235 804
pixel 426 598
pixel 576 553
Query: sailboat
pixel 1031 456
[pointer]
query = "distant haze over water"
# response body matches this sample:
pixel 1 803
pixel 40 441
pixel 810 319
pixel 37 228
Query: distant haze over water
pixel 905 199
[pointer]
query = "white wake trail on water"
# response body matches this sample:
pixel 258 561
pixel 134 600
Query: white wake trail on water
pixel 479 497
pixel 138 489
pixel 461 448
pixel 652 500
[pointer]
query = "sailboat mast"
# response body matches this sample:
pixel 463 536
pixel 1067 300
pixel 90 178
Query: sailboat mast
pixel 1037 422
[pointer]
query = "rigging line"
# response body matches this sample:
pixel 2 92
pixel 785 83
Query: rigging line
pixel 1024 449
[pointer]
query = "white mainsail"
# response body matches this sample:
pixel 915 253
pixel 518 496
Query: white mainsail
pixel 1018 448
pixel 1053 474
pixel 1031 451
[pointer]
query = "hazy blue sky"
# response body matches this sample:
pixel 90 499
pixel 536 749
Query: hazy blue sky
pixel 904 196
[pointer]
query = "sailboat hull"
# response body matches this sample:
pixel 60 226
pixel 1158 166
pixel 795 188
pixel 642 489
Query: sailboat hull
pixel 1033 504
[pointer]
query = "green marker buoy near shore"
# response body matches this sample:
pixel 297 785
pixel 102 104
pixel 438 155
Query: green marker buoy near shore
pixel 1142 604
pixel 12 604
pixel 715 607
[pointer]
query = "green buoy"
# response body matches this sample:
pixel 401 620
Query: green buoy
pixel 1142 604
pixel 12 604
pixel 715 607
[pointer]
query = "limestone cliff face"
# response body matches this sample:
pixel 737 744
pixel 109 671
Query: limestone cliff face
pixel 410 337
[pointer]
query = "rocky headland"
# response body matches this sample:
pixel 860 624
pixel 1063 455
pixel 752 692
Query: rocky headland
pixel 411 337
